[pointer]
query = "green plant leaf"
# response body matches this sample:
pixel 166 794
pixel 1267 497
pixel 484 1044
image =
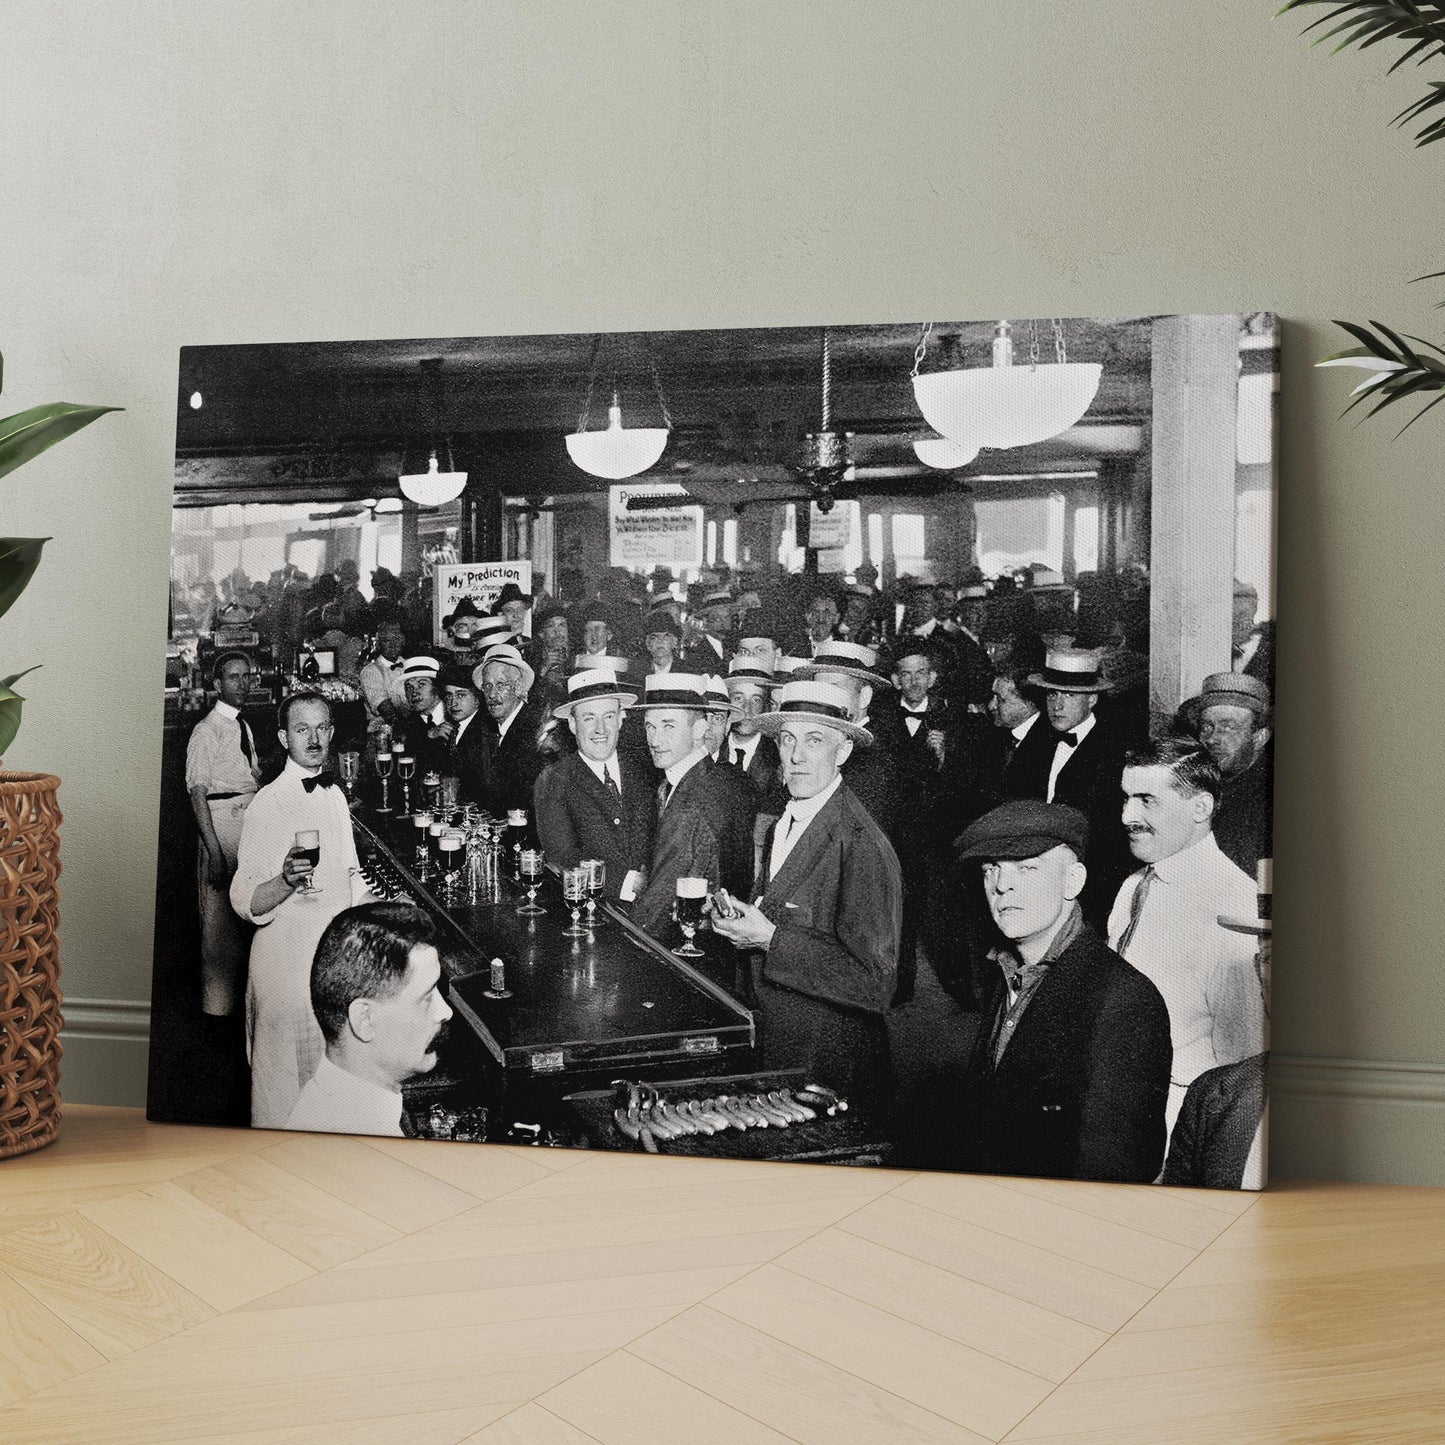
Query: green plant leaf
pixel 16 676
pixel 19 557
pixel 28 433
pixel 10 702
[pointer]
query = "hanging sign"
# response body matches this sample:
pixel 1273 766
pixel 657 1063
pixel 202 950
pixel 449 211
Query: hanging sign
pixel 667 537
pixel 481 581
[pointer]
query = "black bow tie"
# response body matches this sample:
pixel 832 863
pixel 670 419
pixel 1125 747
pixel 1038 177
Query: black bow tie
pixel 1069 740
pixel 321 780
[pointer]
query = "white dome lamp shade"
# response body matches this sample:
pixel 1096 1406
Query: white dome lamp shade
pixel 617 451
pixel 1004 405
pixel 432 488
pixel 944 454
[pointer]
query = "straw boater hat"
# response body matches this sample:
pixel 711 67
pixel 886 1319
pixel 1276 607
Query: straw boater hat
pixel 673 689
pixel 420 666
pixel 790 666
pixel 505 652
pixel 851 658
pixel 482 632
pixel 750 669
pixel 717 697
pixel 588 661
pixel 1071 669
pixel 817 702
pixel 592 683
pixel 1232 689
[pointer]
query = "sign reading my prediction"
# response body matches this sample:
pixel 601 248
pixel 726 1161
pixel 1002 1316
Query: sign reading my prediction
pixel 481 581
pixel 671 537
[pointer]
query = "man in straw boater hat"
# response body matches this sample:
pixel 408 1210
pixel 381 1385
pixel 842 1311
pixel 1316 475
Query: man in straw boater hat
pixel 512 605
pixel 597 802
pixel 510 759
pixel 466 748
pixel 1231 719
pixel 714 641
pixel 1219 1138
pixel 871 773
pixel 824 927
pixel 1069 1071
pixel 739 860
pixel 1077 759
pixel 424 729
pixel 695 831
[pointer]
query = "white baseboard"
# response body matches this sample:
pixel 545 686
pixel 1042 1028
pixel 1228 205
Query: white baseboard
pixel 1344 1119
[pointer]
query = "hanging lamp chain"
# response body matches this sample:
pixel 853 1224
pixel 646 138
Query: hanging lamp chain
pixel 921 348
pixel 657 387
pixel 826 347
pixel 1033 343
pixel 1060 350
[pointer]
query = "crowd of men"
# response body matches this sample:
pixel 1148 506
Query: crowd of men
pixel 964 779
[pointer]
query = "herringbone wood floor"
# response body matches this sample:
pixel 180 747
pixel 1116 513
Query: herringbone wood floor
pixel 160 1283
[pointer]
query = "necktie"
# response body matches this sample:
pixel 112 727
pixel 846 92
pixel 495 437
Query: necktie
pixel 248 749
pixel 1069 740
pixel 664 792
pixel 1136 907
pixel 914 721
pixel 738 759
pixel 785 825
pixel 612 787
pixel 321 780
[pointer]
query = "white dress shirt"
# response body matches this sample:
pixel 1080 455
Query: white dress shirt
pixel 1022 730
pixel 214 760
pixel 507 721
pixel 794 823
pixel 1062 753
pixel 335 1102
pixel 1205 972
pixel 678 771
pixel 748 747
pixel 605 770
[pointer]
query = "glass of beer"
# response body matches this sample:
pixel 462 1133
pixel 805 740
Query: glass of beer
pixel 348 764
pixel 383 771
pixel 596 881
pixel 405 770
pixel 450 846
pixel 574 890
pixel 516 835
pixel 451 793
pixel 529 863
pixel 687 910
pixel 308 845
pixel 422 864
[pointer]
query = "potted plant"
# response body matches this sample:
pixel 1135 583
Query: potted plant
pixel 29 845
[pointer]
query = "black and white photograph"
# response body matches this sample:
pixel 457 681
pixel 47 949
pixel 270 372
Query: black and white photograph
pixel 843 744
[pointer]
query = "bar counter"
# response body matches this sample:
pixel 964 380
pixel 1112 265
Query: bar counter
pixel 582 1011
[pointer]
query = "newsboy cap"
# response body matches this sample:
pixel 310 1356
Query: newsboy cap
pixel 1024 828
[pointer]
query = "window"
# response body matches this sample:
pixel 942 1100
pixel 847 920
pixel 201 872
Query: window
pixel 875 539
pixel 1086 539
pixel 1019 531
pixel 711 543
pixel 909 537
pixel 730 541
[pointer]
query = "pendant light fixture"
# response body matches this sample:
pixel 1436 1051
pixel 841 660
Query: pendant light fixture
pixel 433 487
pixel 943 454
pixel 615 451
pixel 1004 405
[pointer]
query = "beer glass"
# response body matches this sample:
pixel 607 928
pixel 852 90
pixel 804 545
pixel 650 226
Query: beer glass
pixel 405 770
pixel 574 890
pixel 422 823
pixel 517 833
pixel 348 764
pixel 451 793
pixel 308 844
pixel 530 864
pixel 596 881
pixel 687 910
pixel 450 846
pixel 383 771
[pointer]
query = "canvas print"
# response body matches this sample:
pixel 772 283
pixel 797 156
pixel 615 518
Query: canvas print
pixel 846 744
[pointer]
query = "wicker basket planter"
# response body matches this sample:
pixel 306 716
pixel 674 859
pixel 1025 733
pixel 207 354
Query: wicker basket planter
pixel 29 962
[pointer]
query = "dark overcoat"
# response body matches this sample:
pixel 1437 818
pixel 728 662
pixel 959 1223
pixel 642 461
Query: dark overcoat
pixel 1081 1088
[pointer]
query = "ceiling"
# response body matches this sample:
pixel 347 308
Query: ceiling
pixel 334 420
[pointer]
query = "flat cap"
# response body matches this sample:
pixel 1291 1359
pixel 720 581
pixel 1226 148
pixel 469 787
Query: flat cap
pixel 1024 828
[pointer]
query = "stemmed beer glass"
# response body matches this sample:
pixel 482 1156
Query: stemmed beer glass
pixel 574 890
pixel 383 771
pixel 308 844
pixel 687 910
pixel 530 864
pixel 348 765
pixel 405 770
pixel 596 881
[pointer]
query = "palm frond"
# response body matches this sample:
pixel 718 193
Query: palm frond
pixel 1419 24
pixel 1398 371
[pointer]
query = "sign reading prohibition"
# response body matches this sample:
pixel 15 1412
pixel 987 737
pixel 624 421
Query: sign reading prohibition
pixel 481 581
pixel 670 537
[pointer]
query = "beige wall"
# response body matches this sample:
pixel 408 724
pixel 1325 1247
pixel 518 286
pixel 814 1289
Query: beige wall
pixel 262 171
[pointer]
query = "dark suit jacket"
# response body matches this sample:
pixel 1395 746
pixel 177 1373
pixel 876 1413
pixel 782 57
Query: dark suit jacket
pixel 687 843
pixel 577 818
pixel 511 764
pixel 1216 1125
pixel 832 967
pixel 872 777
pixel 1081 1088
pixel 739 802
pixel 765 773
pixel 465 758
pixel 1244 819
pixel 431 754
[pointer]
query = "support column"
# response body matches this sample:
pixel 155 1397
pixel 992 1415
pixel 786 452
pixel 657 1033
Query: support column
pixel 1195 373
